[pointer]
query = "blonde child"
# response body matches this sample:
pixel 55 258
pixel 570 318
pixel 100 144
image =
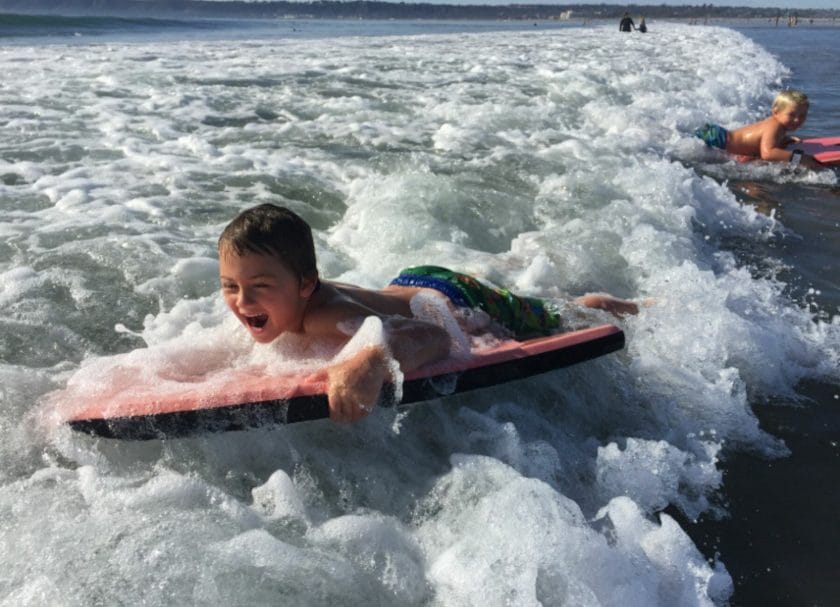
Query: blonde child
pixel 768 138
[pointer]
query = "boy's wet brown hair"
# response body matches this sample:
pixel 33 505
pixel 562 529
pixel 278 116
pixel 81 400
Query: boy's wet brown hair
pixel 269 229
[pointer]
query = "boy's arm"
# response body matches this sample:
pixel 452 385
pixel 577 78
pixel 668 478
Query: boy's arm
pixel 414 343
pixel 354 383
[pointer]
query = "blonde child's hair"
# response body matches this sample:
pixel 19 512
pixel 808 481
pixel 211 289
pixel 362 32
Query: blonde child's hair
pixel 789 97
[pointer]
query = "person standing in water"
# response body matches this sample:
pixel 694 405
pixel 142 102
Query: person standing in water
pixel 626 24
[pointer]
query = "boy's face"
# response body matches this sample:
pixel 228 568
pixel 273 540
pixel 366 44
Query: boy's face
pixel 791 117
pixel 264 294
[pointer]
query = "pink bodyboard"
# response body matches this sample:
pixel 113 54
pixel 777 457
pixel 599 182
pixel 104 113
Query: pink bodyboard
pixel 250 400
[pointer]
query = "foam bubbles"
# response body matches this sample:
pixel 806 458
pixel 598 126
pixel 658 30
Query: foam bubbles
pixel 507 538
pixel 278 498
pixel 655 473
pixel 383 549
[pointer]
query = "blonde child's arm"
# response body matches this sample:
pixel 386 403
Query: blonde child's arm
pixel 783 155
pixel 772 145
pixel 780 154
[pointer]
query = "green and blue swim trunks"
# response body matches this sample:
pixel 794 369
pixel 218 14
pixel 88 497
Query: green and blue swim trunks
pixel 714 135
pixel 522 315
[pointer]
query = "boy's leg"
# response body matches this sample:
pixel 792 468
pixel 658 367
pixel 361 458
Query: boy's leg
pixel 613 305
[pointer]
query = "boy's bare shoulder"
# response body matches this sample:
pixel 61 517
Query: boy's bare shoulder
pixel 328 307
pixel 342 305
pixel 388 301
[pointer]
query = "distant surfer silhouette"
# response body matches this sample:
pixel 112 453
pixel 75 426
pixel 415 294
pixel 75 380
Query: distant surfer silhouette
pixel 626 24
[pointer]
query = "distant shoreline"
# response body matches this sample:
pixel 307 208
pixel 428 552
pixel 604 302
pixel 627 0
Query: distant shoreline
pixel 373 10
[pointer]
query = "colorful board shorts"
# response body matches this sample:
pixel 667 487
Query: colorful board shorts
pixel 714 135
pixel 522 315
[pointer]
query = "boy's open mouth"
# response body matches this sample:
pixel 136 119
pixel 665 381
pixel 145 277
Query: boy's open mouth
pixel 258 321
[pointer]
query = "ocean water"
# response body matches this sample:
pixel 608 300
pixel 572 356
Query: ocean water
pixel 552 160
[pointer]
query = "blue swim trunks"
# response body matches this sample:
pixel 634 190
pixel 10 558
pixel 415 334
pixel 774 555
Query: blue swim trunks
pixel 714 135
pixel 522 315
